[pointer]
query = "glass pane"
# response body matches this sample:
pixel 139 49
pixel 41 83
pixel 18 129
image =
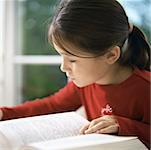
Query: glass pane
pixel 38 81
pixel 139 13
pixel 33 18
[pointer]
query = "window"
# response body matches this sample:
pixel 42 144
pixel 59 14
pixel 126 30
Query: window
pixel 139 18
pixel 38 64
pixel 32 65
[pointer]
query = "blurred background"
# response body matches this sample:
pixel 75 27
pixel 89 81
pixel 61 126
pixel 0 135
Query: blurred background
pixel 29 66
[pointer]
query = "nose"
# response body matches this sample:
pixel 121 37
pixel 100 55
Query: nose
pixel 64 67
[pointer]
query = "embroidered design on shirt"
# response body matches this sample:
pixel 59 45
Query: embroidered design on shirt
pixel 107 110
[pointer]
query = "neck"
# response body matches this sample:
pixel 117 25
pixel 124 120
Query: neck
pixel 121 73
pixel 116 75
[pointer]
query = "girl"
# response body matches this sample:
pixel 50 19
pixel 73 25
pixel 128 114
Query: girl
pixel 107 61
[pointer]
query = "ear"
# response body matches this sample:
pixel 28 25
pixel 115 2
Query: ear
pixel 113 55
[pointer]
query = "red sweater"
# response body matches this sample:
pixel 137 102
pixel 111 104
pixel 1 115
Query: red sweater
pixel 129 101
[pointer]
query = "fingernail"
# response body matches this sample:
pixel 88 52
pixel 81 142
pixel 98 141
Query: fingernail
pixel 81 133
pixel 87 131
pixel 97 131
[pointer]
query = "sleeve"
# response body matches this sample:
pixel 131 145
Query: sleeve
pixel 66 99
pixel 140 127
pixel 134 128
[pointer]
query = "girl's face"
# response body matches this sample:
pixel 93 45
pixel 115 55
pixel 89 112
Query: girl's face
pixel 83 71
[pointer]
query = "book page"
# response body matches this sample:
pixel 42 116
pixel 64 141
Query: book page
pixel 89 142
pixel 4 143
pixel 41 128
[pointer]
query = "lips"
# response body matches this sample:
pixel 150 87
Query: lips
pixel 71 78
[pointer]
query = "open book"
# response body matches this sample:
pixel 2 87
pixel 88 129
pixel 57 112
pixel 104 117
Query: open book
pixel 58 132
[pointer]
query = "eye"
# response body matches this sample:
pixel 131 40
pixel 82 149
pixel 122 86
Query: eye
pixel 72 61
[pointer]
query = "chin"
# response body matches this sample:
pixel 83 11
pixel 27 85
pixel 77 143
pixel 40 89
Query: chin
pixel 80 85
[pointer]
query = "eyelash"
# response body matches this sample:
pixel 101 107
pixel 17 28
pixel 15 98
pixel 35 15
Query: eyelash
pixel 72 61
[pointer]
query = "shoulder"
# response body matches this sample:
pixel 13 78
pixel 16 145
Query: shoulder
pixel 143 75
pixel 70 86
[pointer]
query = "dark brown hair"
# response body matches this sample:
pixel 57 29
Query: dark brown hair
pixel 93 26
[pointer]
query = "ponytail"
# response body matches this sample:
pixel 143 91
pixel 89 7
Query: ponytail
pixel 137 52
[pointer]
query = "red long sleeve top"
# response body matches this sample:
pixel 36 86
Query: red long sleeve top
pixel 128 101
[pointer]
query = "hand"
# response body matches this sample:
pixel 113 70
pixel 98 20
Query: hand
pixel 105 124
pixel 1 114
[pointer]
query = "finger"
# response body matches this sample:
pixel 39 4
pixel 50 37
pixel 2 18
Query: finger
pixel 85 127
pixel 96 127
pixel 109 129
pixel 94 122
pixel 107 117
pixel 89 125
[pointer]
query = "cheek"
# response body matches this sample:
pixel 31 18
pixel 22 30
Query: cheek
pixel 85 77
pixel 88 73
pixel 91 73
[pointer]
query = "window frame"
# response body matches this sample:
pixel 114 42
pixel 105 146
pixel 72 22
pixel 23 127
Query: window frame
pixel 1 49
pixel 11 60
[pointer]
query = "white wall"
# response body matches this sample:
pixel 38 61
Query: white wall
pixel 6 52
pixel 1 50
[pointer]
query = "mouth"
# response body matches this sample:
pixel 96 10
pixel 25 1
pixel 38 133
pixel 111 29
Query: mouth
pixel 71 78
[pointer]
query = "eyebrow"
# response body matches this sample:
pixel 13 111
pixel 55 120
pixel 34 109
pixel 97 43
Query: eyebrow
pixel 67 54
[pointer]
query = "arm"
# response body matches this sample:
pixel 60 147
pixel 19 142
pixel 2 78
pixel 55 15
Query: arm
pixel 139 124
pixel 1 114
pixel 124 125
pixel 119 125
pixel 132 127
pixel 67 99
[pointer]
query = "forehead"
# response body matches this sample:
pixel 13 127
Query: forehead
pixel 61 51
pixel 72 52
pixel 84 60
